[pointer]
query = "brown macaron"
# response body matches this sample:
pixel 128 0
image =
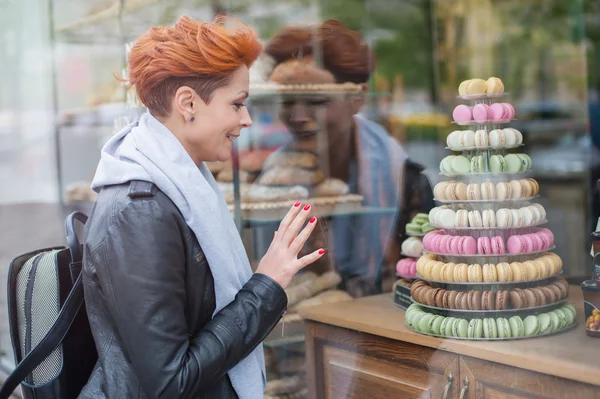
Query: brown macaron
pixel 419 283
pixel 554 288
pixel 550 295
pixel 462 301
pixel 541 298
pixel 531 300
pixel 488 300
pixel 564 290
pixel 474 298
pixel 517 298
pixel 439 298
pixel 502 300
pixel 446 300
pixel 430 296
pixel 452 299
pixel 419 293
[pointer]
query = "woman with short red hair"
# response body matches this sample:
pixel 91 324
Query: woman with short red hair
pixel 174 307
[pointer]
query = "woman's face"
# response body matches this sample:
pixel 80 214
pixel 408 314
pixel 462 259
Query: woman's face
pixel 217 124
pixel 304 116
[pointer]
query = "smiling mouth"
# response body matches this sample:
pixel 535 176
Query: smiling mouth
pixel 232 137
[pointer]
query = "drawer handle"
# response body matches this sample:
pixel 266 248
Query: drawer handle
pixel 463 392
pixel 448 386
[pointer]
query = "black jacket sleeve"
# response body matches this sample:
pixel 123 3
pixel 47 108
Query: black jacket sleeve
pixel 141 267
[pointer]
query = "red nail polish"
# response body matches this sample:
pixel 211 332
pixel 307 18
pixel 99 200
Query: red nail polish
pixel 307 207
pixel 321 251
pixel 313 219
pixel 297 204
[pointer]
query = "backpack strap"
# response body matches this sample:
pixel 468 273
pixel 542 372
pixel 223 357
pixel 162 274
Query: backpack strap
pixel 141 189
pixel 52 339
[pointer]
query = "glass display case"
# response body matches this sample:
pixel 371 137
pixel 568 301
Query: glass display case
pixel 354 107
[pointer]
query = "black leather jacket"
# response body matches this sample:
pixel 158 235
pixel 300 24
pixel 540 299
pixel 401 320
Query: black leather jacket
pixel 150 298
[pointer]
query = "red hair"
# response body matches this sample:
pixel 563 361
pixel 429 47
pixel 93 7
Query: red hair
pixel 199 55
pixel 344 53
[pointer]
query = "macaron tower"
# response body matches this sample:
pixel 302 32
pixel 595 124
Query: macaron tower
pixel 412 246
pixel 488 271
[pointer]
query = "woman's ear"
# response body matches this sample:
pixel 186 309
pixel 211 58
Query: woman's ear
pixel 185 102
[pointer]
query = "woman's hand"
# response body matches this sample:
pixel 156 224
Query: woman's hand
pixel 281 261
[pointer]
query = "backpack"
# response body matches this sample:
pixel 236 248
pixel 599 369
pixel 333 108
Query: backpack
pixel 51 338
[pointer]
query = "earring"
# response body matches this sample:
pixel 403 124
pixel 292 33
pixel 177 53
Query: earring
pixel 192 118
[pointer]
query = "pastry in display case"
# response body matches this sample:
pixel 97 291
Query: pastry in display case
pixel 488 273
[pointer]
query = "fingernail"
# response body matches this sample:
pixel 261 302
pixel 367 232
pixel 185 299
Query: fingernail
pixel 313 219
pixel 307 207
pixel 274 233
pixel 297 204
pixel 321 251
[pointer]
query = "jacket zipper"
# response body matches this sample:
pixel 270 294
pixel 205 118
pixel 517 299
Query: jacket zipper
pixel 28 300
pixel 283 323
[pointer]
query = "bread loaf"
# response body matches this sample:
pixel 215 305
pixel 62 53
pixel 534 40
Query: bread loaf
pixel 308 289
pixel 331 296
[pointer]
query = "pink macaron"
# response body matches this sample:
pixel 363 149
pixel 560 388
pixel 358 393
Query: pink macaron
pixel 412 271
pixel 510 109
pixel 467 245
pixel 538 242
pixel 547 234
pixel 498 247
pixel 462 113
pixel 435 243
pixel 516 245
pixel 454 246
pixel 444 244
pixel 484 246
pixel 529 244
pixel 482 113
pixel 499 112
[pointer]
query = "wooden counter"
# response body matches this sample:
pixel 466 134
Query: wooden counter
pixel 571 355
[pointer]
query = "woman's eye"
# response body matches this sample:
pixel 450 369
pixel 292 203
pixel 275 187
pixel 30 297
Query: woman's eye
pixel 239 106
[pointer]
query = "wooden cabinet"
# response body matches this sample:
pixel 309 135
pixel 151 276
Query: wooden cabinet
pixel 351 365
pixel 496 381
pixel 346 364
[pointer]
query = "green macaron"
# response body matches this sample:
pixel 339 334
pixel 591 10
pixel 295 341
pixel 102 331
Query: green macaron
pixel 436 325
pixel 413 228
pixel 545 323
pixel 532 325
pixel 460 165
pixel 554 320
pixel 490 329
pixel 513 163
pixel 460 328
pixel 517 328
pixel 525 161
pixel 562 319
pixel 497 164
pixel 414 318
pixel 446 327
pixel 475 329
pixel 424 321
pixel 570 315
pixel 571 308
pixel 446 164
pixel 503 328
pixel 426 228
pixel 420 218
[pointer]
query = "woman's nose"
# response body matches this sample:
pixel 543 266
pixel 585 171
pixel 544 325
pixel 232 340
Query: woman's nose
pixel 299 113
pixel 246 120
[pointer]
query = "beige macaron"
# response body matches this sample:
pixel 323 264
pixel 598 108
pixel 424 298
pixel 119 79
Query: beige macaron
pixel 494 85
pixel 460 191
pixel 532 269
pixel 462 88
pixel 461 273
pixel 475 273
pixel 476 86
pixel 473 192
pixel 519 272
pixel 449 192
pixel 545 267
pixel 439 190
pixel 527 187
pixel 516 189
pixel 436 270
pixel 448 271
pixel 490 275
pixel 504 271
pixel 488 191
pixel 503 191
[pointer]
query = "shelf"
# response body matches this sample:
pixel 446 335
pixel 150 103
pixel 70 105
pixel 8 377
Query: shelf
pixel 103 26
pixel 284 341
pixel 500 313
pixel 484 148
pixel 365 210
pixel 505 255
pixel 482 123
pixel 507 201
pixel 102 115
pixel 488 174
pixel 448 229
pixel 483 96
pixel 486 285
